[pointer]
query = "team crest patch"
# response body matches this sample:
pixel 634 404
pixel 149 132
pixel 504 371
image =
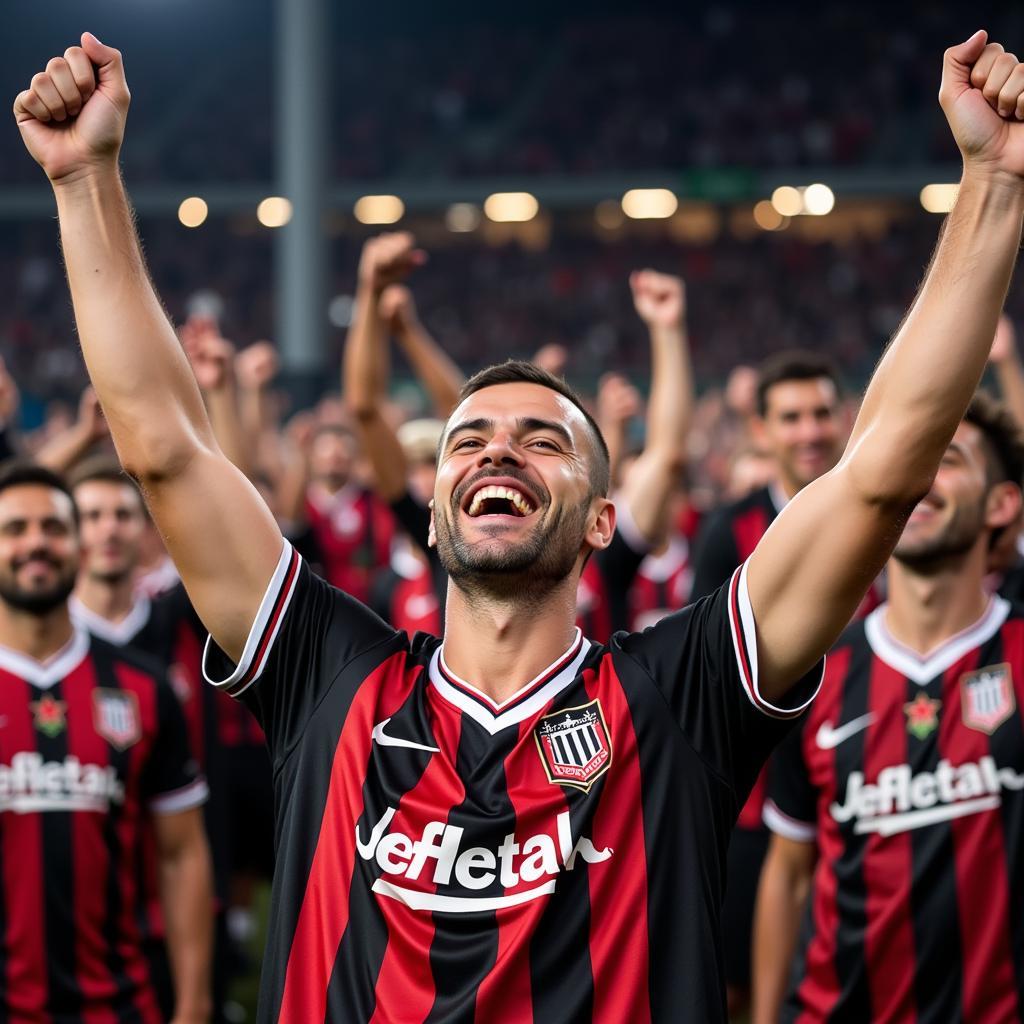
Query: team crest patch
pixel 50 715
pixel 922 715
pixel 116 717
pixel 987 698
pixel 574 745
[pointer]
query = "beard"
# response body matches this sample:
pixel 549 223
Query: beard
pixel 38 600
pixel 956 538
pixel 528 568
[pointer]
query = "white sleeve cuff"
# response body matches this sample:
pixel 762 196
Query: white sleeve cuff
pixel 789 828
pixel 265 628
pixel 744 640
pixel 195 794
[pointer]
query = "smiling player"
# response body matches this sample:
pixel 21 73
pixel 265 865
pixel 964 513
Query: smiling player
pixel 514 823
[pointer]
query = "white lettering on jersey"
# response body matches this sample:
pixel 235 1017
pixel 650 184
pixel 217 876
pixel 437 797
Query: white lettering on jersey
pixel 30 784
pixel 899 801
pixel 541 857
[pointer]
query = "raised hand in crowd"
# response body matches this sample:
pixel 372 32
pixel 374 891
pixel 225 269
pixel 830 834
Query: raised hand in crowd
pixel 618 403
pixel 61 452
pixel 1005 360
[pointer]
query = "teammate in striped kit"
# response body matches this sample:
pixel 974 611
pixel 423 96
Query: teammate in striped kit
pixel 433 862
pixel 93 754
pixel 902 794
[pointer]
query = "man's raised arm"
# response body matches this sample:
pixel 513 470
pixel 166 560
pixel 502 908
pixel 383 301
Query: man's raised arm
pixel 813 566
pixel 223 539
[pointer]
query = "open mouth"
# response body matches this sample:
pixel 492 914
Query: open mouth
pixel 495 500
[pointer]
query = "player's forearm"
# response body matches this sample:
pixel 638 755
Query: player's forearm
pixel 143 380
pixel 435 370
pixel 187 897
pixel 649 485
pixel 925 381
pixel 225 418
pixel 1010 374
pixel 781 898
pixel 359 361
pixel 670 405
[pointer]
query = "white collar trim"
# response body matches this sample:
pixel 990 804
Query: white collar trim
pixel 45 674
pixel 923 669
pixel 119 633
pixel 496 720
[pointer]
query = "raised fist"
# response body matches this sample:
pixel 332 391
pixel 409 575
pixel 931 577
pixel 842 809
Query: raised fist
pixel 389 258
pixel 72 116
pixel 552 357
pixel 659 299
pixel 256 366
pixel 617 400
pixel 397 308
pixel 982 96
pixel 212 357
pixel 91 421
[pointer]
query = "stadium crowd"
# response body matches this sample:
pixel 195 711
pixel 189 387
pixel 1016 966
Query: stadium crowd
pixel 180 824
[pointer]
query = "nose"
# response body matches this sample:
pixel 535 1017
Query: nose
pixel 501 450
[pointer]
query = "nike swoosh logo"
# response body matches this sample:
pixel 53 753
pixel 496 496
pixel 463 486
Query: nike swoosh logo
pixel 829 738
pixel 383 739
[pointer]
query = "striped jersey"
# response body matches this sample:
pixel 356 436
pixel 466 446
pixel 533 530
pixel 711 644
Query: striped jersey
pixel 555 857
pixel 908 773
pixel 91 742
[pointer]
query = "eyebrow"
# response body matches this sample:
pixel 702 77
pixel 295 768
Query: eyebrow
pixel 525 425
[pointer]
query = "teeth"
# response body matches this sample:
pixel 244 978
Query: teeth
pixel 522 506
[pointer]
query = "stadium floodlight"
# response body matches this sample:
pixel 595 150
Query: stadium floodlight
pixel 192 211
pixel 462 217
pixel 379 209
pixel 274 212
pixel 818 200
pixel 649 203
pixel 768 218
pixel 939 198
pixel 511 207
pixel 788 201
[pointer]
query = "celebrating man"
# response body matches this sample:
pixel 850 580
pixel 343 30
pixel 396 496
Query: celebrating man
pixel 514 823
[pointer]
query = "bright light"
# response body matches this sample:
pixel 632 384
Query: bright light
pixel 818 200
pixel 768 218
pixel 192 211
pixel 274 212
pixel 462 217
pixel 509 207
pixel 649 203
pixel 939 198
pixel 379 209
pixel 788 201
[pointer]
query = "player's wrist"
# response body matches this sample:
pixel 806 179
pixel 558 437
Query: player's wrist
pixel 87 174
pixel 992 181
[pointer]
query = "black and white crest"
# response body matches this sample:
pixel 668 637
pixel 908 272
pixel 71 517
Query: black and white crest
pixel 574 745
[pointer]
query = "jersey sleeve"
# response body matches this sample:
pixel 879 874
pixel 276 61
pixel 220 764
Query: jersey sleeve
pixel 715 557
pixel 791 808
pixel 703 659
pixel 305 633
pixel 172 781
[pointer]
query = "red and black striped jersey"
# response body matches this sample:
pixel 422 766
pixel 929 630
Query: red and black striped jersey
pixel 662 585
pixel 353 530
pixel 558 856
pixel 602 595
pixel 91 742
pixel 167 629
pixel 908 773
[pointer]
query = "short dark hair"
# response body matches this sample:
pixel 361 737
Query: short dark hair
pixel 516 371
pixel 1003 436
pixel 25 473
pixel 794 364
pixel 105 470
